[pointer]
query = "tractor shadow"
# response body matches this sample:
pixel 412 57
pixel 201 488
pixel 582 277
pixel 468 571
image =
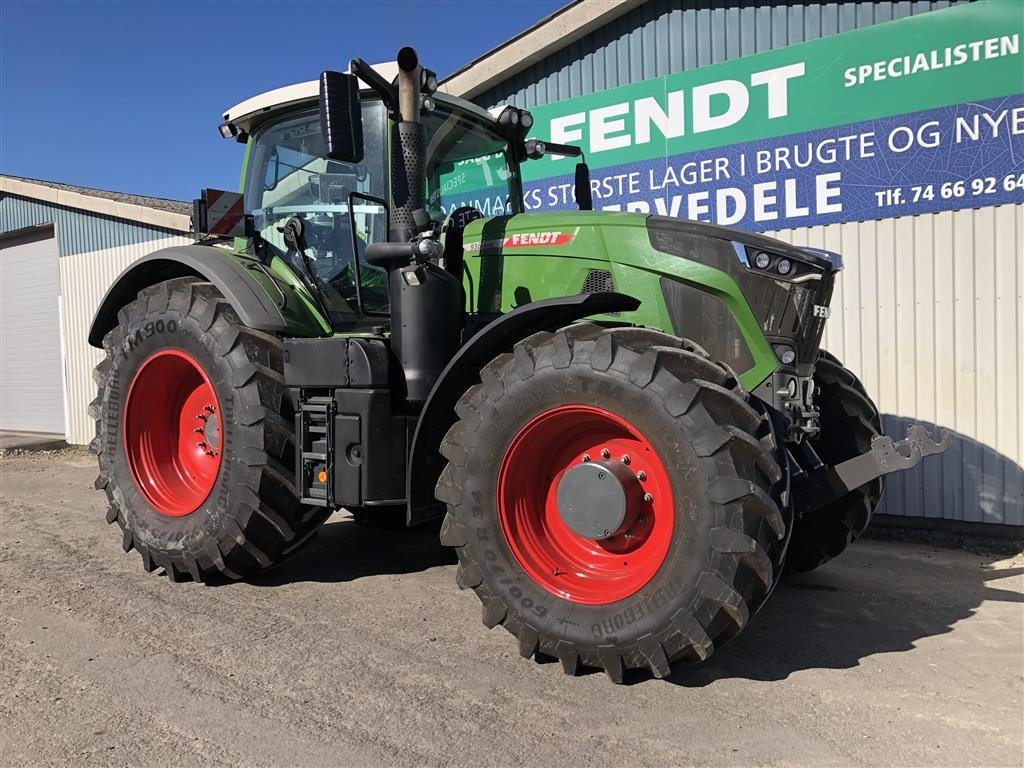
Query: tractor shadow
pixel 883 595
pixel 880 596
pixel 344 551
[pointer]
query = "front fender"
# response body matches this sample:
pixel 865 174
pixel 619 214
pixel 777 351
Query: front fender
pixel 438 414
pixel 255 307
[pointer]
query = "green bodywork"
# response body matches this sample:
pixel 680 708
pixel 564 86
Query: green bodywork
pixel 498 279
pixel 616 242
pixel 502 279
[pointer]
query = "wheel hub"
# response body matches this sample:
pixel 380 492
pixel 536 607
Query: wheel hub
pixel 585 504
pixel 173 432
pixel 597 500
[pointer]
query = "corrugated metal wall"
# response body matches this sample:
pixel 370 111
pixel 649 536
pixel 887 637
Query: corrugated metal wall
pixel 94 249
pixel 84 279
pixel 661 37
pixel 929 312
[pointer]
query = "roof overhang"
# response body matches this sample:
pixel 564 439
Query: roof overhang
pixel 551 34
pixel 100 205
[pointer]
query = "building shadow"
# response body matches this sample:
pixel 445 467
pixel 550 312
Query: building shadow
pixel 969 483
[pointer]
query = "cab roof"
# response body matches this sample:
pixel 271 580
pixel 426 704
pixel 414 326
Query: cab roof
pixel 247 115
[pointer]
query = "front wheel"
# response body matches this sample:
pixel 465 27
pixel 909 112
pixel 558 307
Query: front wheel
pixel 194 439
pixel 609 495
pixel 849 422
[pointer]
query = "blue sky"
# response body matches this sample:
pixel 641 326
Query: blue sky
pixel 127 95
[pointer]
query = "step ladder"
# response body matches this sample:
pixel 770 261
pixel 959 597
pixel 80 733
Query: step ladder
pixel 314 470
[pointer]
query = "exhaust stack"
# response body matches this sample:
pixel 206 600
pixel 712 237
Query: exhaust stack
pixel 408 150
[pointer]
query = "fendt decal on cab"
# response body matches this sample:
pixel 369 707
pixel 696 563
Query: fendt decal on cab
pixel 523 240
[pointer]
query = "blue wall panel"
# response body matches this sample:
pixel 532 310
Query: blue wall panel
pixel 666 36
pixel 77 231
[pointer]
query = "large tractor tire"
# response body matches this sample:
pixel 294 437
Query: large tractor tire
pixel 849 420
pixel 195 439
pixel 610 499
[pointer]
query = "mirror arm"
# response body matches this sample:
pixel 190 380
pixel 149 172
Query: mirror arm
pixel 387 92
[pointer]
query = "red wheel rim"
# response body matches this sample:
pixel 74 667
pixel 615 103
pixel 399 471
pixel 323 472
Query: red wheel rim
pixel 566 564
pixel 173 432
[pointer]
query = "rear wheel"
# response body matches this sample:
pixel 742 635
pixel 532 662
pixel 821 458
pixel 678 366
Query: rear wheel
pixel 194 437
pixel 849 420
pixel 609 498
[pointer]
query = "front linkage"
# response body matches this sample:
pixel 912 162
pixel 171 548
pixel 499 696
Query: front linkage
pixel 826 484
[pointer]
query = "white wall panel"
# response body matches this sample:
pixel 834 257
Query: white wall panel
pixel 85 278
pixel 31 395
pixel 929 312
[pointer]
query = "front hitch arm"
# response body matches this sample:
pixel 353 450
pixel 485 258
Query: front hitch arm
pixel 827 484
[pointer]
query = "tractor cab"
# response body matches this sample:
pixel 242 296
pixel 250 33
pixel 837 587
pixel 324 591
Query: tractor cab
pixel 345 204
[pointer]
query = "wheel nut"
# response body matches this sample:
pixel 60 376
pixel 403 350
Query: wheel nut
pixel 625 458
pixel 208 408
pixel 628 534
pixel 641 475
pixel 648 498
pixel 586 457
pixel 605 453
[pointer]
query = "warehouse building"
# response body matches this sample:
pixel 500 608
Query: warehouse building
pixel 61 247
pixel 890 132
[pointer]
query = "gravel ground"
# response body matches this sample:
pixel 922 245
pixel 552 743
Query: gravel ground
pixel 361 651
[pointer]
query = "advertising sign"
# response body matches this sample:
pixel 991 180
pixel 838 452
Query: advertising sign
pixel 913 116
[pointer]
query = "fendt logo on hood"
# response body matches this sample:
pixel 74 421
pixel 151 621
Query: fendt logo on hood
pixel 524 240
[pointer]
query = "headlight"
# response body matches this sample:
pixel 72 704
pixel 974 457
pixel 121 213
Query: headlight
pixel 514 121
pixel 784 267
pixel 762 260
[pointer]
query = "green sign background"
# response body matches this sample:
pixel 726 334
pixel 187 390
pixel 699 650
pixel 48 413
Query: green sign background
pixel 818 98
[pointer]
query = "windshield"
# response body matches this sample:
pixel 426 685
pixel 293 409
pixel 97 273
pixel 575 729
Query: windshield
pixel 288 175
pixel 467 164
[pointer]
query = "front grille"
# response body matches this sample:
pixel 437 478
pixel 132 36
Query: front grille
pixel 785 310
pixel 703 318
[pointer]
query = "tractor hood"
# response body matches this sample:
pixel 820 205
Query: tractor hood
pixel 702 281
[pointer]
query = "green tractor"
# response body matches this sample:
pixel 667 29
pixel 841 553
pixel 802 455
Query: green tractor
pixel 624 420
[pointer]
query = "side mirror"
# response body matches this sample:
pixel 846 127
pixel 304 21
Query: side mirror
pixel 341 119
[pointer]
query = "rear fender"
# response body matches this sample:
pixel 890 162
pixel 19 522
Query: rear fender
pixel 254 293
pixel 463 371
